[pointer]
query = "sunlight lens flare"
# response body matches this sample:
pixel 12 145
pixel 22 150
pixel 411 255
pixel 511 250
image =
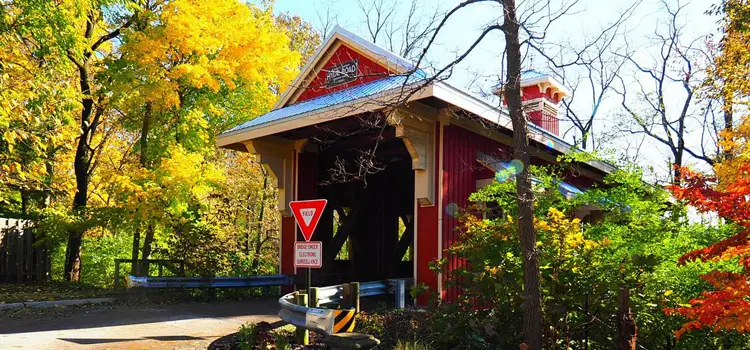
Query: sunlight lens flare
pixel 451 209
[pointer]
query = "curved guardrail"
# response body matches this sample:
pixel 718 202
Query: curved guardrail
pixel 311 318
pixel 323 320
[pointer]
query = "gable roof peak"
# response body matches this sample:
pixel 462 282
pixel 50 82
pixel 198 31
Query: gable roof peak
pixel 372 47
pixel 386 58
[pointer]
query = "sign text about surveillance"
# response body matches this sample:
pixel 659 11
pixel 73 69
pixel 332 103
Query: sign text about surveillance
pixel 308 254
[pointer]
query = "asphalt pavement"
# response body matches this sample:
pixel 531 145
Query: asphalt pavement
pixel 176 326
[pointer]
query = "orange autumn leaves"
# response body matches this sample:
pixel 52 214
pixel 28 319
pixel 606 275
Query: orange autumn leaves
pixel 727 306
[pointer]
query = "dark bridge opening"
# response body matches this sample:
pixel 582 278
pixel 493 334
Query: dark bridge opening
pixel 367 228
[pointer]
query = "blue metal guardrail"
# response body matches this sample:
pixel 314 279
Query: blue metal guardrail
pixel 321 319
pixel 208 282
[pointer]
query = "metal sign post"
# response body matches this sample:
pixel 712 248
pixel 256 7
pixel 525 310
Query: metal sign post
pixel 308 254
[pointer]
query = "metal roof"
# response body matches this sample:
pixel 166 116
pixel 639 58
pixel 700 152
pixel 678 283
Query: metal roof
pixel 528 75
pixel 532 74
pixel 338 97
pixel 381 86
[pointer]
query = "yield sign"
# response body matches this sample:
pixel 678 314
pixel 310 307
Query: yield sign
pixel 307 214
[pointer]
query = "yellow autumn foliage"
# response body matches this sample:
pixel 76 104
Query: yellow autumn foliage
pixel 212 45
pixel 729 80
pixel 36 123
pixel 566 233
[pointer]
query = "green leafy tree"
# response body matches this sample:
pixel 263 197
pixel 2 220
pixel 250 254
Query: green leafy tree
pixel 617 240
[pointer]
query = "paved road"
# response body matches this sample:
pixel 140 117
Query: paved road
pixel 182 326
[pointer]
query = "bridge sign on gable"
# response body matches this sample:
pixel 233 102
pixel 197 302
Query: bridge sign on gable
pixel 344 68
pixel 307 214
pixel 342 73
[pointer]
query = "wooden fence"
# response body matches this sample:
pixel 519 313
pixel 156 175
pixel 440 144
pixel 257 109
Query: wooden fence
pixel 21 259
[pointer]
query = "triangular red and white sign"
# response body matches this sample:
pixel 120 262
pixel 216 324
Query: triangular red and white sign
pixel 307 214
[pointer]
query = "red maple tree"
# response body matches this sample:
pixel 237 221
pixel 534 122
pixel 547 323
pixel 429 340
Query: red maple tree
pixel 727 306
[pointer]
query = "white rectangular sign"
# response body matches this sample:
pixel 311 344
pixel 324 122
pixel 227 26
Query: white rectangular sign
pixel 308 254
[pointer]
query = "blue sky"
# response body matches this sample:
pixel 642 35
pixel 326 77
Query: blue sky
pixel 480 70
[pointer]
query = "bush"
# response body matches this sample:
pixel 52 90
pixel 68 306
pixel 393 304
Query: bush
pixel 446 327
pixel 98 259
pixel 263 336
pixel 393 326
pixel 402 345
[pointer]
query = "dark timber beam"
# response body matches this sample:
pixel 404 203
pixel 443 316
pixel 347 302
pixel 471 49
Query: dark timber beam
pixel 402 246
pixel 346 228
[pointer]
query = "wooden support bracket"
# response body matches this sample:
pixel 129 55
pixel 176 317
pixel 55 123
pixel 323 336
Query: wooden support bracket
pixel 277 157
pixel 417 131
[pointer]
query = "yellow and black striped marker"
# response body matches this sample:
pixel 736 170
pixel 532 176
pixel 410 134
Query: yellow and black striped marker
pixel 343 321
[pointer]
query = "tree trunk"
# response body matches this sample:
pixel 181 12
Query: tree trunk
pixel 532 309
pixel 626 329
pixel 25 202
pixel 50 166
pixel 81 168
pixel 584 139
pixel 134 250
pixel 676 180
pixel 82 162
pixel 259 237
pixel 148 241
pixel 728 122
pixel 145 128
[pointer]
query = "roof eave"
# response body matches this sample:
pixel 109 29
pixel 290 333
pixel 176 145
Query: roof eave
pixel 440 90
pixel 500 117
pixel 547 79
pixel 363 104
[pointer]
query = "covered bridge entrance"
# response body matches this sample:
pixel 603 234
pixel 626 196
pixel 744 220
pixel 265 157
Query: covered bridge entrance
pixel 367 228
pixel 394 154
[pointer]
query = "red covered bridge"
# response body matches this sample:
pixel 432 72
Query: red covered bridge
pixel 434 145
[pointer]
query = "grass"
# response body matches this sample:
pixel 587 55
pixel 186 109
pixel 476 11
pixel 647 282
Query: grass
pixel 405 345
pixel 14 292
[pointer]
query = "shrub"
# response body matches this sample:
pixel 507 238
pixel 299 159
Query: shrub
pixel 263 336
pixel 245 337
pixel 393 326
pixel 446 327
pixel 403 345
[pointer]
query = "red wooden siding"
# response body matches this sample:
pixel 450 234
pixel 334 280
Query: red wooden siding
pixel 287 247
pixel 368 71
pixel 460 172
pixel 427 234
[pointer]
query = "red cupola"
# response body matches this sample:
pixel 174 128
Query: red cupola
pixel 541 95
